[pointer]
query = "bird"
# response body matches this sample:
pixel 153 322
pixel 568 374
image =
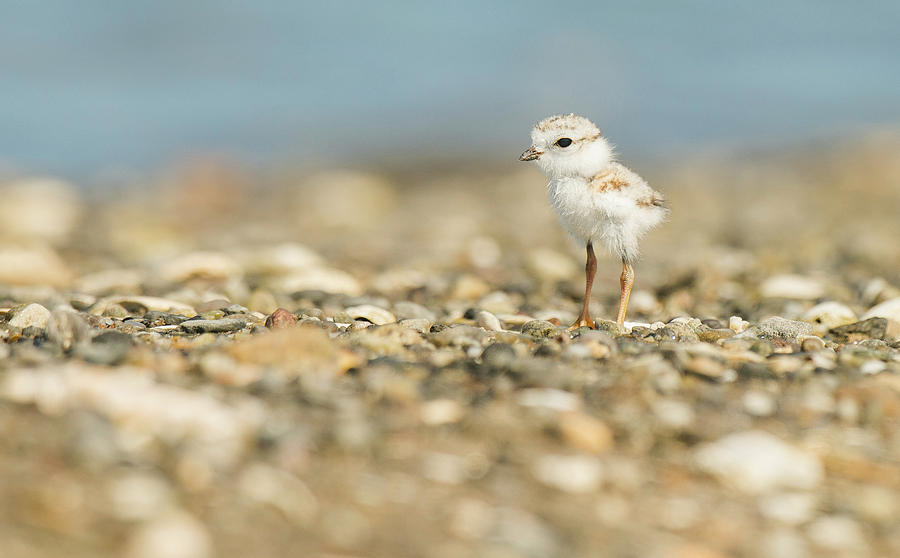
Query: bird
pixel 597 199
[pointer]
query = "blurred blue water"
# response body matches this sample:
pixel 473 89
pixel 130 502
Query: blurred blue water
pixel 95 84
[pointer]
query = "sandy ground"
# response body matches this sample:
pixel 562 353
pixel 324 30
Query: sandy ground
pixel 418 397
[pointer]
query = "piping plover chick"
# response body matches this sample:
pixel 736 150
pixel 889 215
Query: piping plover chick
pixel 597 199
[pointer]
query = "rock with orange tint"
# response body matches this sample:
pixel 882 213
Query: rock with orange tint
pixel 280 319
pixel 584 432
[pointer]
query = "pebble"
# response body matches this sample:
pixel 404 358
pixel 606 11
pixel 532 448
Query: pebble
pixel 781 328
pixel 673 414
pixel 738 324
pixel 838 533
pixel 459 335
pixel 889 309
pixel 405 310
pixel 755 461
pixel 173 535
pixel 705 367
pixel 575 474
pixel 830 314
pixel 792 286
pixel 539 329
pixel 810 343
pixel 469 287
pixel 549 398
pixel 139 496
pixel 28 315
pixel 223 325
pixel 488 321
pixel 68 330
pixel 371 313
pixel 303 349
pixel 280 319
pixel 441 411
pixel 789 508
pixel 759 403
pixel 869 328
pixel 444 468
pixel 584 432
pixel 142 304
pixel 108 348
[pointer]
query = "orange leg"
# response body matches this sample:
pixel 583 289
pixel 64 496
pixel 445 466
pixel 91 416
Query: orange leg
pixel 590 268
pixel 626 281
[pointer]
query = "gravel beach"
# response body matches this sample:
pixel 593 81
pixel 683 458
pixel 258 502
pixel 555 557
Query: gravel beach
pixel 418 393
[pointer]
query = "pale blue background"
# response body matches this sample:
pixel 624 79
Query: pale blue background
pixel 92 84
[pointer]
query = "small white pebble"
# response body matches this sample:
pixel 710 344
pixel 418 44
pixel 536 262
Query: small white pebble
pixel 872 366
pixel 440 411
pixel 737 324
pixel 488 321
pixel 549 398
pixel 759 403
pixel 569 473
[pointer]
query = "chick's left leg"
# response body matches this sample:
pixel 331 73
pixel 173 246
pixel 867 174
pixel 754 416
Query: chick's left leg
pixel 626 281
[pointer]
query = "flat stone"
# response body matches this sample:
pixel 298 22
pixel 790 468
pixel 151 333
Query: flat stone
pixel 371 313
pixel 213 326
pixel 871 328
pixel 142 304
pixel 781 328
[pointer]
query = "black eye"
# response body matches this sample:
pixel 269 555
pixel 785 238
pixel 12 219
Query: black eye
pixel 564 142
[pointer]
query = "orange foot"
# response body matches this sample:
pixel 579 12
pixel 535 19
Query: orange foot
pixel 582 321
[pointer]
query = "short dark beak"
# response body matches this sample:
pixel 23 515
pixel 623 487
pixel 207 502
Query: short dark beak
pixel 530 154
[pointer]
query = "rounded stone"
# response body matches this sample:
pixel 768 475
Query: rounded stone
pixel 29 315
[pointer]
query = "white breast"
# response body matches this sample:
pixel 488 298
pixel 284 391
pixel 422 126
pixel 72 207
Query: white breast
pixel 609 218
pixel 574 203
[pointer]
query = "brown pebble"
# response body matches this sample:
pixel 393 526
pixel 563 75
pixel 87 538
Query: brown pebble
pixel 280 319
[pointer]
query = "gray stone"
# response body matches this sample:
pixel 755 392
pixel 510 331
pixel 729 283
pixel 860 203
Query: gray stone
pixel 781 328
pixel 108 348
pixel 405 310
pixel 213 326
pixel 67 329
pixel 871 328
pixel 459 336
